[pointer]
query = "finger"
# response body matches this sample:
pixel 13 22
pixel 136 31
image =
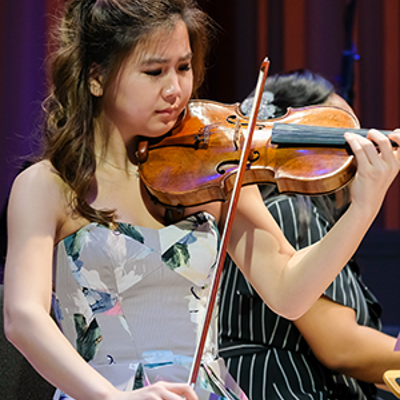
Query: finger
pixel 178 390
pixel 186 391
pixel 389 151
pixel 383 143
pixel 395 137
pixel 363 149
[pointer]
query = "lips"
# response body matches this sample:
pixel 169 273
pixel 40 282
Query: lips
pixel 167 111
pixel 169 114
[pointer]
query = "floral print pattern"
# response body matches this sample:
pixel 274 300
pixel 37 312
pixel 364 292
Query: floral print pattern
pixel 134 294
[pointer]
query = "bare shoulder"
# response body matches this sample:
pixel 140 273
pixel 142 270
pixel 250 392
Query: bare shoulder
pixel 40 169
pixel 39 179
pixel 38 192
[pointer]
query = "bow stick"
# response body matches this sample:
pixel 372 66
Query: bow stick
pixel 228 223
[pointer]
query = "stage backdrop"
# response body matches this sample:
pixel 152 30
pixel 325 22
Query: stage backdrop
pixel 292 33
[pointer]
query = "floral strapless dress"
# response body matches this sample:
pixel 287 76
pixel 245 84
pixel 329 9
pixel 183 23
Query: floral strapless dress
pixel 132 302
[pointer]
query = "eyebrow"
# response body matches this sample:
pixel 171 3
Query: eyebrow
pixel 160 60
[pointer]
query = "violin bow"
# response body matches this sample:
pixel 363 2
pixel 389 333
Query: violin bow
pixel 229 223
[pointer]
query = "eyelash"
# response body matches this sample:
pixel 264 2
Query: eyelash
pixel 157 72
pixel 185 67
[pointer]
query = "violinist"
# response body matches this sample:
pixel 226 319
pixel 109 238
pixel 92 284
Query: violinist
pixel 336 350
pixel 130 291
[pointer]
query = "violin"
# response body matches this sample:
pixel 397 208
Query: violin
pixel 195 163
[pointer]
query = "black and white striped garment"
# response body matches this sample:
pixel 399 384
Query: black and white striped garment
pixel 264 352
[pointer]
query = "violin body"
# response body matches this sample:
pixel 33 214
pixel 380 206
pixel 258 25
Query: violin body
pixel 196 162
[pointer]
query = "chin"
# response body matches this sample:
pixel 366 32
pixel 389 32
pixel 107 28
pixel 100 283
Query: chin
pixel 155 133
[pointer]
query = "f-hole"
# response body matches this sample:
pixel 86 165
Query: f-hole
pixel 230 164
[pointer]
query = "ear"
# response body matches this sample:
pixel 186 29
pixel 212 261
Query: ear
pixel 95 81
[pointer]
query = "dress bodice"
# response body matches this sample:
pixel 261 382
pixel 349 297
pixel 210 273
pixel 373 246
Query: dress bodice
pixel 137 295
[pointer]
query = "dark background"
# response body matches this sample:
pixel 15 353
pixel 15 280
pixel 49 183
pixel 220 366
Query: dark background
pixel 292 33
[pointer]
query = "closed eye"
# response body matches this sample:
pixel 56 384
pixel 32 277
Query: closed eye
pixel 154 72
pixel 185 67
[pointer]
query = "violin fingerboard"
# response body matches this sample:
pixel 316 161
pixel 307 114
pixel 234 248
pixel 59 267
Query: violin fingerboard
pixel 297 135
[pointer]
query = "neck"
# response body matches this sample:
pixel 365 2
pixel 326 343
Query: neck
pixel 111 150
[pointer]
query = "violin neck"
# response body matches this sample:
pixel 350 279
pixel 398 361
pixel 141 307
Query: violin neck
pixel 295 135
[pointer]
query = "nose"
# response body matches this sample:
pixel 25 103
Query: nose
pixel 172 88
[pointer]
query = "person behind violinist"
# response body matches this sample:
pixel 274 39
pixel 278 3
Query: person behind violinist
pixel 131 290
pixel 336 349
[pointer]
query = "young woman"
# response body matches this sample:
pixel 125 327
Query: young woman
pixel 130 291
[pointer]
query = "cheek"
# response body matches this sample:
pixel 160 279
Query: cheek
pixel 188 86
pixel 129 105
pixel 137 97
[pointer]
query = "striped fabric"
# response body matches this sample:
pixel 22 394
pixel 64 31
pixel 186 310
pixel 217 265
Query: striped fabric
pixel 266 353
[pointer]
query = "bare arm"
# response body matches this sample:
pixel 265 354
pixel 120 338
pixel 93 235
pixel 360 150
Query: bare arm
pixel 36 213
pixel 332 332
pixel 288 281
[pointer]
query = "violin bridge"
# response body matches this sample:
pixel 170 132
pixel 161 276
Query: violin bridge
pixel 237 134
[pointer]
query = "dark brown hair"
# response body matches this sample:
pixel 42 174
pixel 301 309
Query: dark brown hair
pixel 103 33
